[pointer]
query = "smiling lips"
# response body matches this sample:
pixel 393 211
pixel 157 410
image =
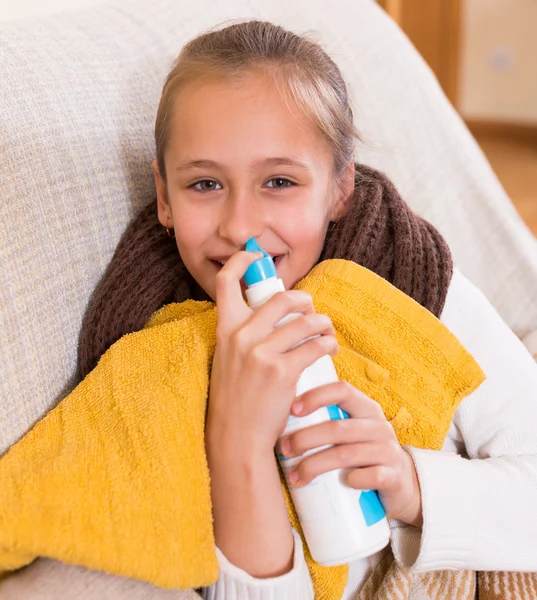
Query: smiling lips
pixel 220 262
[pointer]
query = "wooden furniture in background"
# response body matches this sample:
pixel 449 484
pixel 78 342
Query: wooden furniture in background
pixel 433 26
pixel 514 158
pixel 393 8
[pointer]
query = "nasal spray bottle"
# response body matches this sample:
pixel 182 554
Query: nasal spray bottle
pixel 340 524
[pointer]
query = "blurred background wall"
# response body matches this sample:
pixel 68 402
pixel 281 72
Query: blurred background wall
pixel 484 54
pixel 498 61
pixel 14 9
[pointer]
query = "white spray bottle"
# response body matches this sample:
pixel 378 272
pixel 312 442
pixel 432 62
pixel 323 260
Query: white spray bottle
pixel 340 524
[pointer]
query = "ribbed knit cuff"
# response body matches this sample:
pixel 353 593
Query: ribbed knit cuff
pixel 449 505
pixel 235 584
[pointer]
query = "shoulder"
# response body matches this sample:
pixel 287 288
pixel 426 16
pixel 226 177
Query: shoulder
pixel 511 372
pixel 476 323
pixel 464 298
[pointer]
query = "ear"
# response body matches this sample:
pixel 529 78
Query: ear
pixel 163 204
pixel 343 192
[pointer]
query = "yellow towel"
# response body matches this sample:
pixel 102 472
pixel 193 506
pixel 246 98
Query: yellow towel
pixel 115 477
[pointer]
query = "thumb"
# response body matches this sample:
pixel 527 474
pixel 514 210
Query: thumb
pixel 232 309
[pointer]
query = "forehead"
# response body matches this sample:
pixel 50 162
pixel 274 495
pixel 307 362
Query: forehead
pixel 249 112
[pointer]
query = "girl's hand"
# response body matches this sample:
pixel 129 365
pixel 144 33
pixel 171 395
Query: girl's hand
pixel 365 443
pixel 253 384
pixel 255 372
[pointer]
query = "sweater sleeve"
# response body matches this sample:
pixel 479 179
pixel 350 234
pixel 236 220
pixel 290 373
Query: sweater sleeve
pixel 235 584
pixel 480 492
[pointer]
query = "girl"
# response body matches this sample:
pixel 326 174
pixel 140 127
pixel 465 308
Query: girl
pixel 255 138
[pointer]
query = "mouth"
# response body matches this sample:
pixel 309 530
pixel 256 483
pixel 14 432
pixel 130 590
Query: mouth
pixel 221 261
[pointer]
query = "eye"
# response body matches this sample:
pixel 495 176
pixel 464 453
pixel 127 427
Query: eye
pixel 206 185
pixel 279 183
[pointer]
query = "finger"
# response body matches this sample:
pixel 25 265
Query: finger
pixel 228 281
pixel 261 324
pixel 307 353
pixel 307 326
pixel 354 402
pixel 337 432
pixel 378 477
pixel 346 456
pixel 282 305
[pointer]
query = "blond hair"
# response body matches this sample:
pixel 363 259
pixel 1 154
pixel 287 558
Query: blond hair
pixel 297 65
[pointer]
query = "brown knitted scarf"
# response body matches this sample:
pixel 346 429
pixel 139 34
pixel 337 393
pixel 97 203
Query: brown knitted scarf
pixel 379 232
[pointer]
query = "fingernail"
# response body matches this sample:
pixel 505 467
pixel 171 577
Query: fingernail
pixel 285 447
pixel 297 407
pixel 329 342
pixel 293 477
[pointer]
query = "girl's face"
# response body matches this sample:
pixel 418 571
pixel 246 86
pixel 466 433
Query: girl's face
pixel 242 162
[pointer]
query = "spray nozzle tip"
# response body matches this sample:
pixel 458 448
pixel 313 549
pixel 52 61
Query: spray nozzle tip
pixel 253 246
pixel 260 269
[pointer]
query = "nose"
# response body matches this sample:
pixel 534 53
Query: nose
pixel 243 216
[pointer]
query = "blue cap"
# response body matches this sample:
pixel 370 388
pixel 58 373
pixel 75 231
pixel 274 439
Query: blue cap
pixel 261 269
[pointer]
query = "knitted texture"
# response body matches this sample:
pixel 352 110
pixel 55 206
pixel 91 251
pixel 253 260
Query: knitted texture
pixel 382 234
pixel 378 231
pixel 145 273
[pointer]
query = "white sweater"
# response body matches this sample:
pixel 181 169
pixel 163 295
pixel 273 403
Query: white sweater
pixel 479 493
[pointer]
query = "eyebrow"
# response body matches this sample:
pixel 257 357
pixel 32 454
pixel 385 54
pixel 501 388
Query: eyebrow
pixel 282 161
pixel 276 161
pixel 199 164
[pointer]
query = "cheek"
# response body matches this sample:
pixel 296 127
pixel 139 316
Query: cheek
pixel 304 233
pixel 192 228
pixel 304 229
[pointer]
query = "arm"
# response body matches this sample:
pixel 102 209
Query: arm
pixel 253 384
pixel 236 584
pixel 479 507
pixel 250 516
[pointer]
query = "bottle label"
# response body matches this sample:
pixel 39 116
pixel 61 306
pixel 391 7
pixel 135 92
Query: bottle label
pixel 371 506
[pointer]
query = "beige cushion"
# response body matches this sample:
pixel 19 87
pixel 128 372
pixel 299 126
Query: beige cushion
pixel 47 579
pixel 78 99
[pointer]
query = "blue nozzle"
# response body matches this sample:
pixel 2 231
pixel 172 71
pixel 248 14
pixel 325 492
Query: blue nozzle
pixel 260 269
